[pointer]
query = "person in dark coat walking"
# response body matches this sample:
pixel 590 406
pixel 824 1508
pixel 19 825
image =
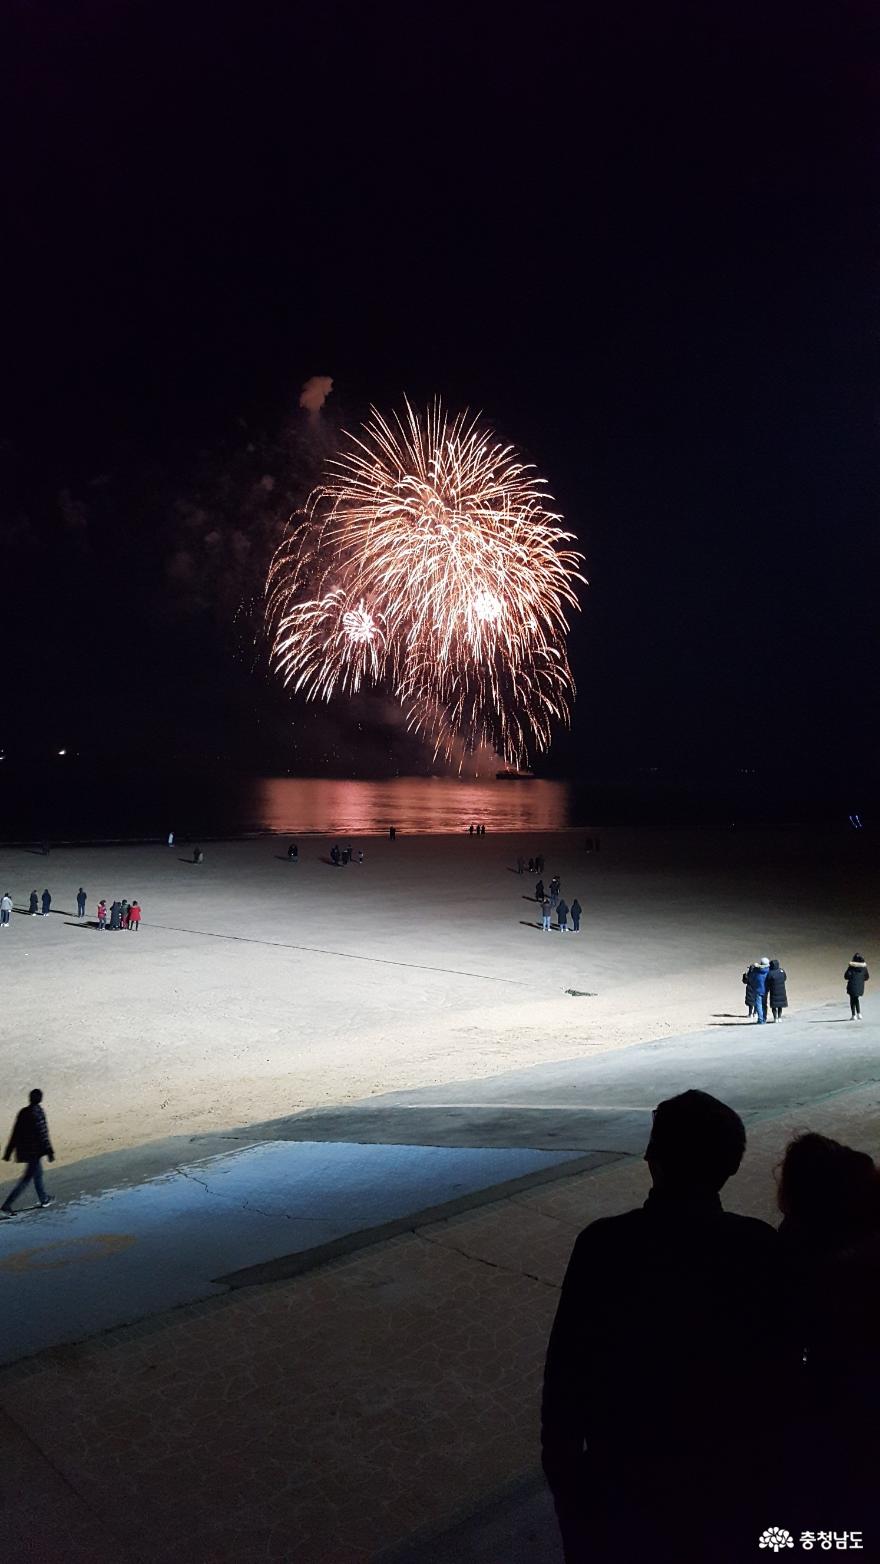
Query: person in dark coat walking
pixel 562 916
pixel 539 864
pixel 777 998
pixel 33 904
pixel 749 980
pixel 539 891
pixel 47 903
pixel 671 1296
pixel 30 1142
pixel 856 975
pixel 546 910
pixel 80 903
pixel 555 885
pixel 520 865
pixel 293 853
pixel 115 920
pixel 576 910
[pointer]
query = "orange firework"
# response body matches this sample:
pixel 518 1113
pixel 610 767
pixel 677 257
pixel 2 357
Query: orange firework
pixel 429 561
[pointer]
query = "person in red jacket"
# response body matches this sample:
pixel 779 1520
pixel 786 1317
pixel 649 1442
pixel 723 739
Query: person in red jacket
pixel 134 916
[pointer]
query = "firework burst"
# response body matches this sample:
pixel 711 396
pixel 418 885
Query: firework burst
pixel 429 562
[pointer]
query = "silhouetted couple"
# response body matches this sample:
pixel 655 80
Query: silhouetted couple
pixel 676 1379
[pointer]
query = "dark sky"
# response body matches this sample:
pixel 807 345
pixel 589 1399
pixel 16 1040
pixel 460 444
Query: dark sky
pixel 641 237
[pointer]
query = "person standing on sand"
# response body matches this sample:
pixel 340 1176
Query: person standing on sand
pixel 102 914
pixel 470 830
pixel 546 910
pixel 114 915
pixel 293 853
pixel 5 909
pixel 30 1142
pixel 134 916
pixel 857 975
pixel 80 903
pixel 539 864
pixel 124 910
pixel 170 838
pixel 47 903
pixel 520 865
pixel 749 980
pixel 539 891
pixel 562 916
pixel 576 910
pixel 777 998
pixel 33 905
pixel 760 982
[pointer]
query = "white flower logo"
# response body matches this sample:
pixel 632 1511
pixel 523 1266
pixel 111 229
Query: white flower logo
pixel 776 1538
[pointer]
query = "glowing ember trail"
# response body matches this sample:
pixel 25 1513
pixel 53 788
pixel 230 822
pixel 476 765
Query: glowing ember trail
pixel 428 562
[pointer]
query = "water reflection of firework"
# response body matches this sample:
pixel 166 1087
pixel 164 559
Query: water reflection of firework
pixel 429 560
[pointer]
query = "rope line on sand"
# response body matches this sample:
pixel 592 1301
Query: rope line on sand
pixel 344 955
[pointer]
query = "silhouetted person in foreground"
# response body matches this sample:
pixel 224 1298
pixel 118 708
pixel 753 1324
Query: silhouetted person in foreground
pixel 81 903
pixel 30 1142
pixel 33 904
pixel 856 975
pixel 576 910
pixel 47 903
pixel 562 916
pixel 661 1361
pixel 829 1195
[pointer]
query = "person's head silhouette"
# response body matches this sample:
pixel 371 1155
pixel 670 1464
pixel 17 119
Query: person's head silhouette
pixel 35 1096
pixel 828 1188
pixel 696 1143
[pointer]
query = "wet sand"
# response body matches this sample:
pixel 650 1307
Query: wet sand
pixel 255 989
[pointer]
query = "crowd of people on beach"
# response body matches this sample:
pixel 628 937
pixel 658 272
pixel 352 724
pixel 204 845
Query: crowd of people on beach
pixel 343 855
pixel 766 980
pixel 708 1374
pixel 122 914
pixel 552 901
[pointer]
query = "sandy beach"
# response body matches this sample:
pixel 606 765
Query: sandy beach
pixel 255 989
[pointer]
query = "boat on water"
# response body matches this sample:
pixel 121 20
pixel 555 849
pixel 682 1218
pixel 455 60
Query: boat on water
pixel 512 775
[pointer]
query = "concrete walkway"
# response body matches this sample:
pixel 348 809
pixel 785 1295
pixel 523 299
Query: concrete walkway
pixel 100 1261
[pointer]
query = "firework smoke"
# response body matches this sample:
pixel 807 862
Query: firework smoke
pixel 428 561
pixel 315 393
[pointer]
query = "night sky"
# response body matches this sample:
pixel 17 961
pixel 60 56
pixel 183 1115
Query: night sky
pixel 640 237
